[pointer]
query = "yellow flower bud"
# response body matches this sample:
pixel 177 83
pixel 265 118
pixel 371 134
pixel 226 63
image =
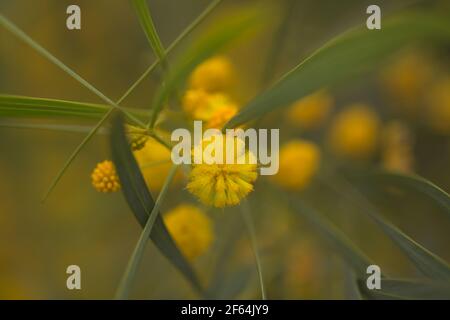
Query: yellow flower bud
pixel 438 103
pixel 104 177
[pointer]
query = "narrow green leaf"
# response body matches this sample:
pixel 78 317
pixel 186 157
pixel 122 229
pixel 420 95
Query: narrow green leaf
pixel 349 252
pixel 31 107
pixel 399 289
pixel 222 33
pixel 414 183
pixel 42 51
pixel 425 261
pixel 146 21
pixel 347 55
pixel 141 202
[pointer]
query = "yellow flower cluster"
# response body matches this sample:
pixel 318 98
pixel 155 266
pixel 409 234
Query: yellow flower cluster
pixel 155 163
pixel 311 111
pixel 222 185
pixel 104 177
pixel 191 230
pixel 136 137
pixel 299 162
pixel 354 132
pixel 206 99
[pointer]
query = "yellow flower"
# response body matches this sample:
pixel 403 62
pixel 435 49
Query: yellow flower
pixel 354 132
pixel 438 102
pixel 215 74
pixel 191 229
pixel 222 185
pixel 155 163
pixel 405 80
pixel 299 162
pixel 310 112
pixel 104 177
pixel 397 151
pixel 213 108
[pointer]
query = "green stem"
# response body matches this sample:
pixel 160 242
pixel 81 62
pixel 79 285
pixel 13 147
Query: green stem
pixel 130 272
pixel 246 215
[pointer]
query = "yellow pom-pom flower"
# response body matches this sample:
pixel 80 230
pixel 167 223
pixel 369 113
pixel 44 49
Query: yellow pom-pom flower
pixel 299 162
pixel 155 163
pixel 222 185
pixel 213 108
pixel 215 74
pixel 354 132
pixel 438 111
pixel 310 112
pixel 191 230
pixel 104 177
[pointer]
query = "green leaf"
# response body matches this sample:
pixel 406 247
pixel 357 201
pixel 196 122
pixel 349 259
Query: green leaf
pixel 141 202
pixel 425 261
pixel 415 183
pixel 349 252
pixel 222 33
pixel 348 55
pixel 395 289
pixel 31 107
pixel 148 26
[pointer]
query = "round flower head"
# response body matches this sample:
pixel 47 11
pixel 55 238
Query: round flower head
pixel 191 230
pixel 215 74
pixel 311 111
pixel 213 108
pixel 299 162
pixel 438 111
pixel 155 163
pixel 104 177
pixel 216 181
pixel 354 132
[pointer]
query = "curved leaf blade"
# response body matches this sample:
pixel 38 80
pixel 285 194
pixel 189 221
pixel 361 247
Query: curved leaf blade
pixel 141 202
pixel 399 289
pixel 351 254
pixel 347 55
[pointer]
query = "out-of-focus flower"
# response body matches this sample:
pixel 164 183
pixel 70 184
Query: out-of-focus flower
pixel 397 145
pixel 406 79
pixel 104 177
pixel 438 106
pixel 299 162
pixel 222 185
pixel 354 132
pixel 191 229
pixel 214 74
pixel 311 111
pixel 213 108
pixel 155 163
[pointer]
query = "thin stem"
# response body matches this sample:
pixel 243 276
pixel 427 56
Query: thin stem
pixel 130 272
pixel 246 214
pixel 41 50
